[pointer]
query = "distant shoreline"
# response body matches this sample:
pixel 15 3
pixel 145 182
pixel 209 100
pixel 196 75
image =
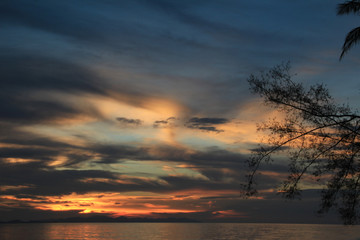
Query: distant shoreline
pixel 148 220
pixel 106 220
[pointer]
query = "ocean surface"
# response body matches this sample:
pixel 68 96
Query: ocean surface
pixel 175 231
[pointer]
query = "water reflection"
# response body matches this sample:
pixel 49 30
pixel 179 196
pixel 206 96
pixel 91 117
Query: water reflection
pixel 174 231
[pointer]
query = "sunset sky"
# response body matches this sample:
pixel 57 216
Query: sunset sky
pixel 141 108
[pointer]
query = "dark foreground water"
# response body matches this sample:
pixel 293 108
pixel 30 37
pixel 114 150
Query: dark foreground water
pixel 175 231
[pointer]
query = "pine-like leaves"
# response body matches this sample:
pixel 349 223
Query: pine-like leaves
pixel 320 138
pixel 354 35
pixel 351 39
pixel 349 7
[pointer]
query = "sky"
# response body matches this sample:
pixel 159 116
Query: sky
pixel 141 108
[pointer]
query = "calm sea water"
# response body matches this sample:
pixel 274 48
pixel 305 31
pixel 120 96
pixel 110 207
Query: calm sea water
pixel 175 231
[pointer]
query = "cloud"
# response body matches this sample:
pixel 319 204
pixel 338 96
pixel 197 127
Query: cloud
pixel 32 87
pixel 129 122
pixel 276 210
pixel 47 157
pixel 48 17
pixel 50 182
pixel 47 90
pixel 206 124
pixel 48 179
pixel 113 153
pixel 168 123
pixel 206 121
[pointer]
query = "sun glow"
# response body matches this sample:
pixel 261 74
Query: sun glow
pixel 116 204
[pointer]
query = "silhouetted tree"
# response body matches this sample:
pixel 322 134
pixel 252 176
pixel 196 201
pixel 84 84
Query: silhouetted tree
pixel 321 138
pixel 354 35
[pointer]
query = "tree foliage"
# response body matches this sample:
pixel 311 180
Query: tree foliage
pixel 320 137
pixel 353 36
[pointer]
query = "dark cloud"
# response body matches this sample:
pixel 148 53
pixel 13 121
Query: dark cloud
pixel 28 153
pixel 47 182
pixel 207 121
pixel 178 183
pixel 11 134
pixel 221 167
pixel 210 129
pixel 167 123
pixel 22 72
pixel 45 179
pixel 206 124
pixel 27 83
pixel 49 17
pixel 113 153
pixel 129 122
pixel 218 30
pixel 211 157
pixel 36 89
pixel 20 145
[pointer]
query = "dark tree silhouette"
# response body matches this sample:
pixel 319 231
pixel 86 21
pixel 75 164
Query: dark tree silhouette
pixel 320 137
pixel 354 35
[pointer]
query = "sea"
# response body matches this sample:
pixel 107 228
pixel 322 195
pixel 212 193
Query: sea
pixel 175 231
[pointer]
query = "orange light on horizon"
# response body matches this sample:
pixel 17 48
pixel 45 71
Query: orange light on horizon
pixel 130 205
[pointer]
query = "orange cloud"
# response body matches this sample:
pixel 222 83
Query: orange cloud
pixel 14 187
pixel 19 160
pixel 109 203
pixel 130 204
